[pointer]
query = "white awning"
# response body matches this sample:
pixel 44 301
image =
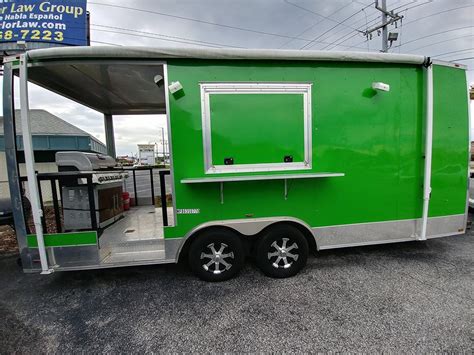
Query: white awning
pixel 119 80
pixel 212 53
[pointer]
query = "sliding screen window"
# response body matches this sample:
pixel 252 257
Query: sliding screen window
pixel 256 127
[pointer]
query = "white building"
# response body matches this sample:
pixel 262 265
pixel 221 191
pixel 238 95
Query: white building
pixel 50 134
pixel 146 154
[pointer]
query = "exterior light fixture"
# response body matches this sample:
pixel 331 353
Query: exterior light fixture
pixel 21 44
pixel 392 36
pixel 175 87
pixel 380 86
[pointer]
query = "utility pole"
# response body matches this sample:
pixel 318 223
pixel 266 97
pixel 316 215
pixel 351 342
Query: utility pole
pixel 163 142
pixel 388 18
pixel 384 28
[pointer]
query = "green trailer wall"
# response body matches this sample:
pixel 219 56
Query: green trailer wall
pixel 375 138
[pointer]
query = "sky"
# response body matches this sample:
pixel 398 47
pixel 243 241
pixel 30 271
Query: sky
pixel 442 29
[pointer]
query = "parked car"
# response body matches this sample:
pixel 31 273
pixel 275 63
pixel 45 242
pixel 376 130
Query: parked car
pixel 6 214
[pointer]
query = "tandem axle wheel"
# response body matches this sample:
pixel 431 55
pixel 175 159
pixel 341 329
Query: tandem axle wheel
pixel 219 254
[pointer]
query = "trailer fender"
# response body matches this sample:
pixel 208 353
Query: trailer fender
pixel 248 227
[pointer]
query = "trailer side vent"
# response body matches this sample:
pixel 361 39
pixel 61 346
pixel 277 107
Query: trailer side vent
pixel 288 159
pixel 228 161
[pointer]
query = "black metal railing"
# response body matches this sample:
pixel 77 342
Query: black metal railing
pixel 59 179
pixel 163 200
pixel 164 205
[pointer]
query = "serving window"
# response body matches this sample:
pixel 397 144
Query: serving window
pixel 252 127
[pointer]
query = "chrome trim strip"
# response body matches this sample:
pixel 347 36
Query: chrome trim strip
pixel 172 247
pixel 223 88
pixel 87 258
pixel 170 145
pixel 111 265
pixel 264 167
pixel 308 128
pixel 12 165
pixel 466 212
pixel 428 152
pixel 234 83
pixel 30 163
pixel 65 61
pixel 361 244
pixel 342 236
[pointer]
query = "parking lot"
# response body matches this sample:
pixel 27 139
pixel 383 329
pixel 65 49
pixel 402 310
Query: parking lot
pixel 143 185
pixel 407 297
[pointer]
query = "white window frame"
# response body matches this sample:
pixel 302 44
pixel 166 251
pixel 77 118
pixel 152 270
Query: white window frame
pixel 208 89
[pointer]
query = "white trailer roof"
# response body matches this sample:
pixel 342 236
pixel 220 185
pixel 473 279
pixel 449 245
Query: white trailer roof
pixel 212 53
pixel 119 80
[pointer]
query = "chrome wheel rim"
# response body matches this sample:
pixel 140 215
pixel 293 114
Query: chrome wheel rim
pixel 281 254
pixel 217 261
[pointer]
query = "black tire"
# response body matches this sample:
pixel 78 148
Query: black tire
pixel 278 263
pixel 223 244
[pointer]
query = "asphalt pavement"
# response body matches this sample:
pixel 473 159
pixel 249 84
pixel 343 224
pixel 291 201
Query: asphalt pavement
pixel 407 297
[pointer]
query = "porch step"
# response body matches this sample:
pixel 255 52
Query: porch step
pixel 135 256
pixel 136 245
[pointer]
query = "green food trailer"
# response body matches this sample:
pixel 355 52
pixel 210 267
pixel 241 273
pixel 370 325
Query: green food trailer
pixel 274 154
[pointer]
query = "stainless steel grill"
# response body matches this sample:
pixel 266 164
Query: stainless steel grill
pixel 107 184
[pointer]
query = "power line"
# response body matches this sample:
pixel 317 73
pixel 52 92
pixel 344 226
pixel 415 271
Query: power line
pixel 198 21
pixel 318 14
pixel 447 53
pixel 159 35
pixel 318 37
pixel 109 43
pixel 435 34
pixel 418 19
pixel 339 42
pixel 351 32
pixel 414 6
pixel 336 43
pixel 314 25
pixel 392 19
pixel 157 38
pixel 437 13
pixel 388 18
pixel 358 30
pixel 435 43
pixel 461 59
pixel 333 44
pixel 367 23
pixel 365 14
pixel 168 36
pixel 401 31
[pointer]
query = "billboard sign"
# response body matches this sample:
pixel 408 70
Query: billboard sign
pixel 58 22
